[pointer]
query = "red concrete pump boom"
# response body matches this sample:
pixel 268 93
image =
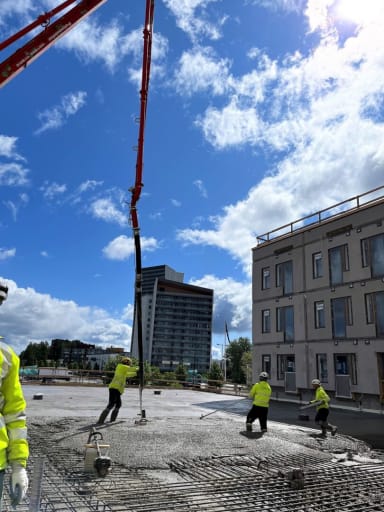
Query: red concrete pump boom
pixel 51 33
pixel 19 60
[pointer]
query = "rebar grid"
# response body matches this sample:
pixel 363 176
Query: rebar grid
pixel 213 484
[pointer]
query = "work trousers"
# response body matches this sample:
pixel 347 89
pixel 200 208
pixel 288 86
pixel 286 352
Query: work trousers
pixel 2 475
pixel 114 399
pixel 260 413
pixel 322 419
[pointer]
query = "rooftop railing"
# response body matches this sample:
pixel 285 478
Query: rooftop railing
pixel 333 211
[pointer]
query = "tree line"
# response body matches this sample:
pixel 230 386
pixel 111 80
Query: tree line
pixel 238 361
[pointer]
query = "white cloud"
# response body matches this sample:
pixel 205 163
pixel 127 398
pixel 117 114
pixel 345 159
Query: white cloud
pixel 201 188
pixel 14 206
pixel 13 175
pixel 231 126
pixel 91 41
pixel 29 316
pixel 122 247
pixel 8 147
pixel 5 254
pixel 191 17
pixel 12 7
pixel 322 112
pixel 232 304
pixel 200 70
pixel 51 190
pixel 106 210
pixel 56 116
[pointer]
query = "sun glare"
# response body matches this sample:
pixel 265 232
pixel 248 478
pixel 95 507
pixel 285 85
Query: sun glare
pixel 357 11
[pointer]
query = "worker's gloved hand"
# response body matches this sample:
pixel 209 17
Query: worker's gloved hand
pixel 19 483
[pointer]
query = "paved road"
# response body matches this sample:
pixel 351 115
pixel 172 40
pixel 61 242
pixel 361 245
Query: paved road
pixel 368 427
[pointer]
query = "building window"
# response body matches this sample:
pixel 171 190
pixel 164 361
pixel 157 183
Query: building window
pixel 338 264
pixel 374 311
pixel 345 364
pixel 284 277
pixel 341 310
pixel 266 278
pixel 317 264
pixel 372 252
pixel 285 363
pixel 266 320
pixel 319 315
pixel 266 363
pixel 284 322
pixel 322 367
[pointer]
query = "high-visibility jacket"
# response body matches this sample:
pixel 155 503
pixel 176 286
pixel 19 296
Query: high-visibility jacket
pixel 261 393
pixel 13 425
pixel 122 373
pixel 321 396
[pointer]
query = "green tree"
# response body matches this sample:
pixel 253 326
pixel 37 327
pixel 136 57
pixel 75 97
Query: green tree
pixel 35 354
pixel 234 353
pixel 181 373
pixel 215 375
pixel 246 366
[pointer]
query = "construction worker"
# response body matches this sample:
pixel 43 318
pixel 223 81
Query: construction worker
pixel 123 371
pixel 14 449
pixel 260 394
pixel 322 410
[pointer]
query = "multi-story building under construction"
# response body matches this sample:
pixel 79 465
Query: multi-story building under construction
pixel 176 321
pixel 318 303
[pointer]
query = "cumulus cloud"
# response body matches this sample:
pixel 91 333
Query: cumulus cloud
pixel 29 316
pixel 122 247
pixel 106 210
pixel 320 114
pixel 232 305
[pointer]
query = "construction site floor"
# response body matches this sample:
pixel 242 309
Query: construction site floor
pixel 182 458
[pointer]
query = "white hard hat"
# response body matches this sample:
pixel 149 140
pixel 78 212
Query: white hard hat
pixel 316 382
pixel 263 375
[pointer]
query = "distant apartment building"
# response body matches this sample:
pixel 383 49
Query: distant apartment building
pixel 176 321
pixel 318 303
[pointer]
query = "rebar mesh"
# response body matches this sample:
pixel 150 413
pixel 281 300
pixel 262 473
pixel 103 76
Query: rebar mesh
pixel 212 484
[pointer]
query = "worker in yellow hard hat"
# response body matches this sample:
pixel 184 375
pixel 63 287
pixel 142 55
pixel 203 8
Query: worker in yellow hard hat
pixel 14 450
pixel 124 370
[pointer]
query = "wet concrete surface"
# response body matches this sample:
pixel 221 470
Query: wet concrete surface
pixel 191 437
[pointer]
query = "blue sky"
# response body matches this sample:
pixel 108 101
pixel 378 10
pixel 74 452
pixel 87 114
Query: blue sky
pixel 259 112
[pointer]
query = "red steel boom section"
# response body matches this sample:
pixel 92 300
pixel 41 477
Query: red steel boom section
pixel 51 32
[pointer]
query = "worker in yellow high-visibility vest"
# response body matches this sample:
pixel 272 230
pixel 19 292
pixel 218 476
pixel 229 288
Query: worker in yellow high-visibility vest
pixel 260 394
pixel 124 370
pixel 14 449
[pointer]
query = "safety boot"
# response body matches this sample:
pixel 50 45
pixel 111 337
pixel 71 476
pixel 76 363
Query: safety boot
pixel 103 415
pixel 114 414
pixel 249 427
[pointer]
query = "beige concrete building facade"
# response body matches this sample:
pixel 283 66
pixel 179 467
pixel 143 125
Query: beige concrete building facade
pixel 318 303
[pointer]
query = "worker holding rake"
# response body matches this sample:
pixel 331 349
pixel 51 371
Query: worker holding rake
pixel 322 410
pixel 261 394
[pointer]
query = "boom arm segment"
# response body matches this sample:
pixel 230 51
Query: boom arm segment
pixel 20 59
